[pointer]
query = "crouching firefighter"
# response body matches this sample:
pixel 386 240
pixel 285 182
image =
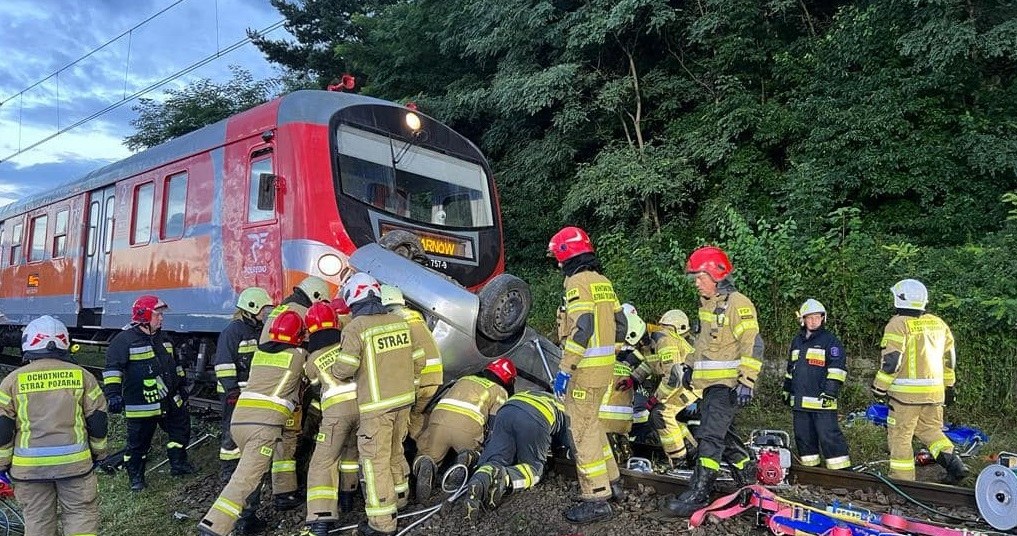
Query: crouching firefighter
pixel 143 379
pixel 514 455
pixel 273 391
pixel 816 370
pixel 52 428
pixel 917 376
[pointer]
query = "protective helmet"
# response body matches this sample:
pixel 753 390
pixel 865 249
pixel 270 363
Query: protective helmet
pixel 253 300
pixel 569 242
pixel 391 295
pixel 811 306
pixel 45 336
pixel 339 306
pixel 504 369
pixel 711 260
pixel 315 288
pixel 677 319
pixel 321 316
pixel 144 306
pixel 910 294
pixel 358 287
pixel 287 328
pixel 635 326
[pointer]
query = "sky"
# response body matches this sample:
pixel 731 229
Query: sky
pixel 39 37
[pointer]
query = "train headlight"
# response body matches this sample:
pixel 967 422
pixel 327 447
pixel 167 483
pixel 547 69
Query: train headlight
pixel 330 264
pixel 413 121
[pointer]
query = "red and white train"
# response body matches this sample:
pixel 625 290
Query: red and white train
pixel 290 188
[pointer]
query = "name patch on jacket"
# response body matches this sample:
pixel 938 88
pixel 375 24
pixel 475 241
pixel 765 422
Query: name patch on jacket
pixel 49 380
pixel 327 359
pixel 602 292
pixel 816 357
pixel 394 341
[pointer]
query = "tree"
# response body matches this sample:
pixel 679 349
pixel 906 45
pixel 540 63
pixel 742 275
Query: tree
pixel 200 103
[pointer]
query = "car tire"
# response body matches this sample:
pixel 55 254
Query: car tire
pixel 404 244
pixel 504 307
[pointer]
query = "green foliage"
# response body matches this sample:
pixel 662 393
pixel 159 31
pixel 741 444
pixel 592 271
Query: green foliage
pixel 198 104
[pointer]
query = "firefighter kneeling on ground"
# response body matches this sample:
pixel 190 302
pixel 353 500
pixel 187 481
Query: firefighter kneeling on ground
pixel 459 420
pixel 514 455
pixel 143 379
pixel 52 428
pixel 917 376
pixel 816 370
pixel 264 407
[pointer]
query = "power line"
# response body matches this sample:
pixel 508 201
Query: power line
pixel 164 81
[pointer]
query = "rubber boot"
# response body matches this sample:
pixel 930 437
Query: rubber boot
pixel 423 471
pixel 696 497
pixel 589 512
pixel 179 465
pixel 249 523
pixel 226 468
pixel 956 470
pixel 287 501
pixel 617 491
pixel 346 501
pixel 365 529
pixel 136 473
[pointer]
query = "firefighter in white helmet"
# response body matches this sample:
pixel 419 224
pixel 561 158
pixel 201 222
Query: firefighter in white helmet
pixel 616 410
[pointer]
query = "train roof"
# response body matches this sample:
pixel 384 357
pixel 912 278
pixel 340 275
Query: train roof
pixel 305 106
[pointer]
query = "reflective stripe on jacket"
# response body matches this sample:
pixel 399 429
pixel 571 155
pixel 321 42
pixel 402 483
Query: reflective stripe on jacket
pixel 143 368
pixel 926 359
pixel 377 351
pixel 728 349
pixel 273 388
pixel 337 397
pixel 815 365
pixel 426 357
pixel 233 352
pixel 467 405
pixel 588 351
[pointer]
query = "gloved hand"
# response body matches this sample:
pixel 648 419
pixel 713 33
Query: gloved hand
pixel 628 356
pixel 828 401
pixel 150 390
pixel 5 476
pixel 656 408
pixel 744 394
pixel 561 383
pixel 232 397
pixel 951 396
pixel 687 377
pixel 879 395
pixel 115 403
pixel 625 384
pixel 787 398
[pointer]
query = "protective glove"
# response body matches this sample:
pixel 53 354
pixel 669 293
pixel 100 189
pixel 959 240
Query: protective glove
pixel 5 477
pixel 625 384
pixel 744 395
pixel 687 377
pixel 628 357
pixel 232 397
pixel 656 408
pixel 879 395
pixel 787 398
pixel 150 390
pixel 115 403
pixel 951 396
pixel 561 383
pixel 827 401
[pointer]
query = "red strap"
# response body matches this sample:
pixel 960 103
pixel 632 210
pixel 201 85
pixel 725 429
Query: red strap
pixel 731 505
pixel 904 524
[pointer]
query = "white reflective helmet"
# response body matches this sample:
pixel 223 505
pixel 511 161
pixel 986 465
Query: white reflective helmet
pixel 910 294
pixel 45 336
pixel 635 326
pixel 391 295
pixel 811 306
pixel 358 287
pixel 315 288
pixel 677 319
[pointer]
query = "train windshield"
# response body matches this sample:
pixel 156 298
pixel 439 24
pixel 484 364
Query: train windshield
pixel 415 183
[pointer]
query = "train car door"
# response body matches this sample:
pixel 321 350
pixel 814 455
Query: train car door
pixel 98 244
pixel 260 232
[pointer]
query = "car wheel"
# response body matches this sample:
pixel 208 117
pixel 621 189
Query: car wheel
pixel 504 307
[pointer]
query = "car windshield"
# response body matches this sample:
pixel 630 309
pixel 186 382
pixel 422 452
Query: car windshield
pixel 412 182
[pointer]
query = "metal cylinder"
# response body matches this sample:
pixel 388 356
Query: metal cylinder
pixel 202 361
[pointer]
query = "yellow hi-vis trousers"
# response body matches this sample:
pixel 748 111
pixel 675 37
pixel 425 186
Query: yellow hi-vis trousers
pixel 906 421
pixel 595 464
pixel 336 435
pixel 257 444
pixel 377 439
pixel 78 498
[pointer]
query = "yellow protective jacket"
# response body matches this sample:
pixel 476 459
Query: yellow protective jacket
pixel 591 316
pixel 468 404
pixel 918 360
pixel 728 349
pixel 426 357
pixel 665 358
pixel 273 387
pixel 52 421
pixel 377 352
pixel 337 397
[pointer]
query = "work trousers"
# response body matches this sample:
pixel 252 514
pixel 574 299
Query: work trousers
pixel 335 444
pixel 175 421
pixel 438 438
pixel 717 441
pixel 519 442
pixel 818 432
pixel 595 464
pixel 906 421
pixel 674 435
pixel 257 444
pixel 379 437
pixel 78 498
pixel 284 463
pixel 418 419
pixel 616 411
pixel 228 451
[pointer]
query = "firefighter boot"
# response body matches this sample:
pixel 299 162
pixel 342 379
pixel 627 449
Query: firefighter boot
pixel 476 494
pixel 365 529
pixel 423 471
pixel 318 528
pixel 136 473
pixel 956 470
pixel 465 461
pixel 178 462
pixel 226 468
pixel 746 476
pixel 287 501
pixel 346 501
pixel 250 523
pixel 617 491
pixel 697 496
pixel 621 447
pixel 589 512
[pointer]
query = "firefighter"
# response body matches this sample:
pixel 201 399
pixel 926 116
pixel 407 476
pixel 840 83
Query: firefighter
pixel 616 408
pixel 725 362
pixel 592 313
pixel 259 420
pixel 52 429
pixel 816 370
pixel 459 419
pixel 336 441
pixel 513 457
pixel 916 378
pixel 431 371
pixel 143 379
pixel 232 362
pixel 377 353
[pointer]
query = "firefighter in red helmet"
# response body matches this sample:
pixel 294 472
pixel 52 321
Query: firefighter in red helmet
pixel 144 380
pixel 725 362
pixel 591 315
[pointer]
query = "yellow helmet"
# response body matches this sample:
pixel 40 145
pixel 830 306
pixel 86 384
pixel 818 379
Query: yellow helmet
pixel 253 300
pixel 315 288
pixel 391 295
pixel 677 319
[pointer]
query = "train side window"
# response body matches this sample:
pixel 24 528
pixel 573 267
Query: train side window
pixel 141 220
pixel 93 226
pixel 255 214
pixel 174 206
pixel 16 245
pixel 60 234
pixel 37 240
pixel 108 232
